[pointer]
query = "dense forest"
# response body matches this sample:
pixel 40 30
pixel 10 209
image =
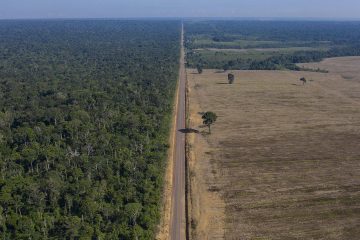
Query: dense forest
pixel 324 39
pixel 84 117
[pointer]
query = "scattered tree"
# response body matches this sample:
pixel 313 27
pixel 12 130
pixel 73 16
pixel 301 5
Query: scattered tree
pixel 226 67
pixel 199 69
pixel 231 78
pixel 208 119
pixel 303 80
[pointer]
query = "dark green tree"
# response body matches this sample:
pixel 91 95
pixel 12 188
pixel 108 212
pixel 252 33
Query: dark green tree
pixel 226 67
pixel 231 78
pixel 303 80
pixel 199 69
pixel 133 210
pixel 209 118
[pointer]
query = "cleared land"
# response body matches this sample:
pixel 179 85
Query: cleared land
pixel 283 161
pixel 346 67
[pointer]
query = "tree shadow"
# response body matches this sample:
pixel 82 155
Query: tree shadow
pixel 214 189
pixel 205 133
pixel 347 77
pixel 221 83
pixel 189 130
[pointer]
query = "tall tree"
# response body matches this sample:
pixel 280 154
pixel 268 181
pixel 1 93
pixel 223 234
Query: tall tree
pixel 199 69
pixel 209 118
pixel 231 78
pixel 226 67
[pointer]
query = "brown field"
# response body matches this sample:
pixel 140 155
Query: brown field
pixel 347 67
pixel 283 159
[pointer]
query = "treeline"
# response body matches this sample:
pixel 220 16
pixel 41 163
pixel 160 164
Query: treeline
pixel 193 44
pixel 340 39
pixel 276 62
pixel 289 61
pixel 84 116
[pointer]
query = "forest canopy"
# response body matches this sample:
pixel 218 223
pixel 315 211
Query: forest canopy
pixel 268 45
pixel 84 116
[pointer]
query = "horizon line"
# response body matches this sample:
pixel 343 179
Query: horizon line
pixel 189 18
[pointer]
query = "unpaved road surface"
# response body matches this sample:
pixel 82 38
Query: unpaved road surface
pixel 177 221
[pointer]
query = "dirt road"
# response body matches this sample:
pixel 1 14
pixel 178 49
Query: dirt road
pixel 177 228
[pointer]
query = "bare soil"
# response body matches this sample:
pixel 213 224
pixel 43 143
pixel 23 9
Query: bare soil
pixel 283 159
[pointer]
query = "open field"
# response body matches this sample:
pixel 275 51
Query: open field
pixel 346 67
pixel 283 161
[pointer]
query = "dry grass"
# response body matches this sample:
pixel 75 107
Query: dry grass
pixel 206 207
pixel 285 158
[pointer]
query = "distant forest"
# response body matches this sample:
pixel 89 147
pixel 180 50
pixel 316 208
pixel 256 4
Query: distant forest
pixel 84 121
pixel 326 39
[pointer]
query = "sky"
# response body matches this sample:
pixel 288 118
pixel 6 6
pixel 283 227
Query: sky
pixel 329 9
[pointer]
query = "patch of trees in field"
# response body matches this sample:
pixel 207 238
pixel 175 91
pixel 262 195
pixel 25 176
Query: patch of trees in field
pixel 338 38
pixel 289 61
pixel 84 115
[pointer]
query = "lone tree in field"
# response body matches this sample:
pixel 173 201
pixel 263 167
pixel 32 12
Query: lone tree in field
pixel 199 69
pixel 208 119
pixel 303 80
pixel 231 78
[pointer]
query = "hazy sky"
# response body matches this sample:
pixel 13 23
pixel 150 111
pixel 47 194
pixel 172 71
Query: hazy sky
pixel 180 8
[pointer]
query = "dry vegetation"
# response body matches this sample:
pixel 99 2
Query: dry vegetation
pixel 346 67
pixel 283 161
pixel 163 232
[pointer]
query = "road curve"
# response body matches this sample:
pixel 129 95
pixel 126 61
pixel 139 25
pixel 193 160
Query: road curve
pixel 177 221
